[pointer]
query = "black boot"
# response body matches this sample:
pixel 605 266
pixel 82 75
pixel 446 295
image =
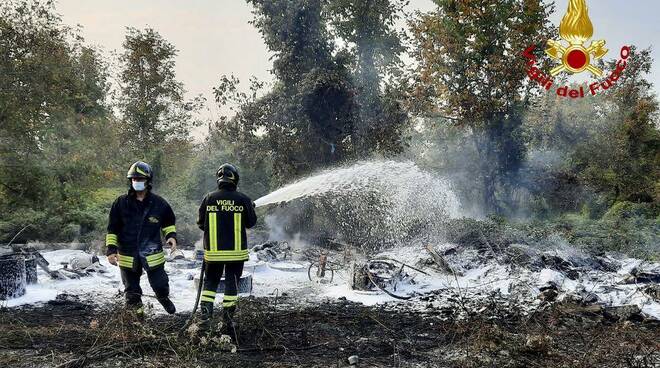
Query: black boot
pixel 134 311
pixel 229 326
pixel 206 309
pixel 167 304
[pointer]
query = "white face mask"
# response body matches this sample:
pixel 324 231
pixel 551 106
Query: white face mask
pixel 139 186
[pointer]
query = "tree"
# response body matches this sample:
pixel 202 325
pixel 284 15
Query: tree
pixel 623 160
pixel 329 104
pixel 55 129
pixel 306 120
pixel 368 30
pixel 470 71
pixel 153 109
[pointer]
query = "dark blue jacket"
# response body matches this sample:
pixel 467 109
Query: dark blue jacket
pixel 135 229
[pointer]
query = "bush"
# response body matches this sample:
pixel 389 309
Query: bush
pixel 627 210
pixel 634 236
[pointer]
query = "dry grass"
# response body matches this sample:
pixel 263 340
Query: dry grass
pixel 278 333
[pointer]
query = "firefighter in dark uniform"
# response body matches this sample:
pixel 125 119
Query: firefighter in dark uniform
pixel 137 222
pixel 223 216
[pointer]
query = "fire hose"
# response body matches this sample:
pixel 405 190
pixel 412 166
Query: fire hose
pixel 199 293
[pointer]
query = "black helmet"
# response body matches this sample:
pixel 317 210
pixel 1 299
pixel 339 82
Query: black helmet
pixel 227 173
pixel 140 170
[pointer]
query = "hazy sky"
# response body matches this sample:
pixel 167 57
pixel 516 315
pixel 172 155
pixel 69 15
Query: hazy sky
pixel 215 38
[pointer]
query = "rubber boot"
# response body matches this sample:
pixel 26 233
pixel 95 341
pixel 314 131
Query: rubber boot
pixel 229 326
pixel 206 309
pixel 135 312
pixel 167 304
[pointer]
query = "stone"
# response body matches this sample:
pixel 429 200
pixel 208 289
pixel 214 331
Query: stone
pixel 538 343
pixel 624 313
pixel 653 291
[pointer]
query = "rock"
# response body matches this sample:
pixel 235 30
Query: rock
pixel 81 262
pixel 353 359
pixel 653 291
pixel 549 295
pixel 177 254
pixel 558 263
pixel 272 251
pixel 624 313
pixel 549 291
pixel 607 265
pixel 644 276
pixel 538 343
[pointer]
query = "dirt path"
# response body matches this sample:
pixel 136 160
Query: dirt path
pixel 277 333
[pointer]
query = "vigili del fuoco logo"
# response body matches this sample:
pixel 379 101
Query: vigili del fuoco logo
pixel 573 55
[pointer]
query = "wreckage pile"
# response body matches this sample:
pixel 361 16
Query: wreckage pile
pixel 525 278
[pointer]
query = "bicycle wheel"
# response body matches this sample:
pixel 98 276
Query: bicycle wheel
pixel 316 274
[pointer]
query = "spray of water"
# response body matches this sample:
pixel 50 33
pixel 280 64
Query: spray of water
pixel 373 204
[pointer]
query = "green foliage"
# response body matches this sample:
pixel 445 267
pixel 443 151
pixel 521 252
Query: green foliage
pixel 627 210
pixel 367 28
pixel 156 120
pixel 634 235
pixel 327 105
pixel 55 132
pixel 469 73
pixel 152 104
pixel 623 161
pixel 604 149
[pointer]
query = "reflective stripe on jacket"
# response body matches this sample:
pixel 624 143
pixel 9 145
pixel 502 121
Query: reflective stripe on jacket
pixel 224 215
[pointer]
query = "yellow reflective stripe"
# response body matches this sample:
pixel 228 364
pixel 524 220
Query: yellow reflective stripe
pixel 207 299
pixel 230 297
pixel 229 304
pixel 125 261
pixel 155 256
pixel 169 229
pixel 213 231
pixel 226 259
pixel 137 168
pixel 237 231
pixel 156 259
pixel 156 263
pixel 209 293
pixel 226 255
pixel 226 252
pixel 111 239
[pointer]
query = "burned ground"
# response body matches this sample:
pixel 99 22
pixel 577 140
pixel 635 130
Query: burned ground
pixel 275 332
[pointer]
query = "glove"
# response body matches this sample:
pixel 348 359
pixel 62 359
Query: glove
pixel 172 243
pixel 112 258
